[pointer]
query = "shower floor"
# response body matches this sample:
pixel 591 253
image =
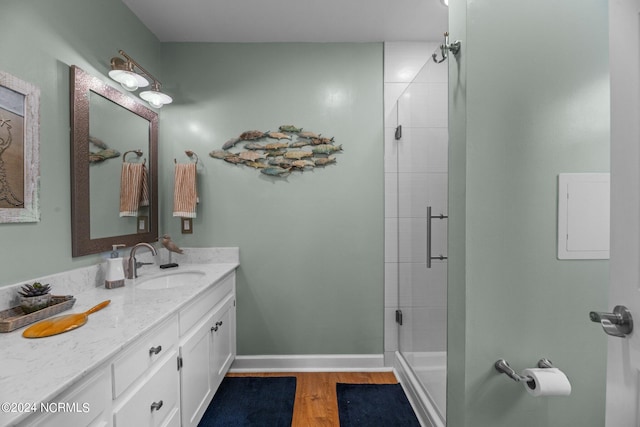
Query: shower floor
pixel 431 370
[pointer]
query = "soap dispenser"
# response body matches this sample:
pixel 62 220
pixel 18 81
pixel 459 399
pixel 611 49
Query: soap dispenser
pixel 115 271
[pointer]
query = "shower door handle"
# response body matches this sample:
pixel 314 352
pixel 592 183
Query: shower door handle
pixel 429 218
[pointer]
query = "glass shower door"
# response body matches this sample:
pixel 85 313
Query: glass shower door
pixel 422 182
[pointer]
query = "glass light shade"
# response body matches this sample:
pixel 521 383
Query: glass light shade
pixel 129 80
pixel 445 2
pixel 156 99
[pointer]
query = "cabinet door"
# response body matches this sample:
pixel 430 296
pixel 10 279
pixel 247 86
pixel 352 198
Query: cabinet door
pixel 195 379
pixel 224 341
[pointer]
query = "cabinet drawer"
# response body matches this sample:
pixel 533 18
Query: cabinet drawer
pixel 191 314
pixel 155 402
pixel 144 354
pixel 82 405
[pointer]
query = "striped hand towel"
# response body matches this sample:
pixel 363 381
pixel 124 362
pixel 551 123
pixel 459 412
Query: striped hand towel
pixel 131 180
pixel 185 194
pixel 144 191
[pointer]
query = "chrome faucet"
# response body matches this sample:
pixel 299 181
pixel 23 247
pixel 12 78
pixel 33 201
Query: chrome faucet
pixel 132 265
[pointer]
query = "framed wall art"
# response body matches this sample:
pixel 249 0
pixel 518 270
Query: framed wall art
pixel 19 150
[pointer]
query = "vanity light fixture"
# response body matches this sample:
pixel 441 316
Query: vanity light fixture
pixel 124 72
pixel 445 2
pixel 154 97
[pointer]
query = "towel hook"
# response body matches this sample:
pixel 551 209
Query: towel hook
pixel 138 152
pixel 189 153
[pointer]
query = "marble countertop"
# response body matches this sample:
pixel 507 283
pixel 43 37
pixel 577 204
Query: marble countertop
pixel 37 370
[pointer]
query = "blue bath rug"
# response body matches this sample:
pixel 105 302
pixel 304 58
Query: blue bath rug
pixel 252 402
pixel 368 405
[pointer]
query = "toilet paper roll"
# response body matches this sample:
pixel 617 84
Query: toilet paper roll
pixel 547 382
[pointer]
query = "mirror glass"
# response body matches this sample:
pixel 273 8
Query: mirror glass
pixel 110 128
pixel 105 140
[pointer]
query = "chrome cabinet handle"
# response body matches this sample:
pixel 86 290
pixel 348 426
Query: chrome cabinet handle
pixel 218 324
pixel 617 324
pixel 155 350
pixel 155 406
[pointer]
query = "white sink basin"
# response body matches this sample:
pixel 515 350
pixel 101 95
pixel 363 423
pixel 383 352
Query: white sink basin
pixel 171 280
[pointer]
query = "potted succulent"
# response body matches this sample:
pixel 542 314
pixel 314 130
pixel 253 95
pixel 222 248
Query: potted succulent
pixel 34 297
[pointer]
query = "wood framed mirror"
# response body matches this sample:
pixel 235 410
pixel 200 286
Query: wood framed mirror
pixel 109 128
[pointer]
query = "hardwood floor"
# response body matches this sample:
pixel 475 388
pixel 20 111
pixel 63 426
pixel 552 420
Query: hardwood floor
pixel 316 403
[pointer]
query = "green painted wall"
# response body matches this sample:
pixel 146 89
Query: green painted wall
pixel 311 245
pixel 311 279
pixel 525 106
pixel 456 231
pixel 41 39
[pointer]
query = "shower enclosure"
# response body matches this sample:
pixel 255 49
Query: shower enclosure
pixel 421 142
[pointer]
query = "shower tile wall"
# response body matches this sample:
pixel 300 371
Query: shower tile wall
pixel 415 177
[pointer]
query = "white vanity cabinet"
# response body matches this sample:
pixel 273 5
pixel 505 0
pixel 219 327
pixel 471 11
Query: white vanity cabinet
pixel 207 348
pixel 165 377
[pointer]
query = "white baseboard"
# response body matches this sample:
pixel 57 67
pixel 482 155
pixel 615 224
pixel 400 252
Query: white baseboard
pixel 310 363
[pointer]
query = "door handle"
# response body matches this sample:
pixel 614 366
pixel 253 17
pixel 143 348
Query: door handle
pixel 429 219
pixel 617 324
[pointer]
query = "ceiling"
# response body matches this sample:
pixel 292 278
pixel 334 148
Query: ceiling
pixel 244 21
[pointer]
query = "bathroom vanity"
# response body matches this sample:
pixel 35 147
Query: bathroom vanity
pixel 153 357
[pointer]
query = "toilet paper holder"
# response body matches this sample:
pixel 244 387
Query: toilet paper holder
pixel 502 366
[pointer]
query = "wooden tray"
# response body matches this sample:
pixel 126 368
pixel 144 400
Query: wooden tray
pixel 14 317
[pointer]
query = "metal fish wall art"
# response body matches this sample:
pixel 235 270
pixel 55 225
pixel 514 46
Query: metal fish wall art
pixel 326 149
pixel 289 129
pixel 278 135
pixel 278 154
pixel 252 135
pixel 253 146
pixel 275 171
pixel 280 161
pixel 220 154
pixel 301 164
pixel 322 161
pixel 298 154
pixel 104 153
pixel 308 135
pixel 299 143
pixel 251 156
pixel 276 145
pixel 230 143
